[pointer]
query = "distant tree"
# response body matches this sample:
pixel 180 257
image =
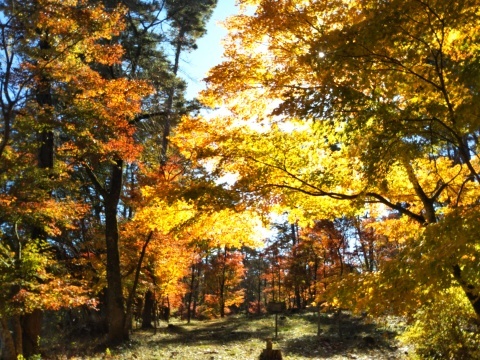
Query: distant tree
pixel 223 276
pixel 255 266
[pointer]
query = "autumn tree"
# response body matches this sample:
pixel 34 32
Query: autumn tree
pixel 318 258
pixel 275 254
pixel 155 233
pixel 216 265
pixel 114 180
pixel 86 86
pixel 301 263
pixel 254 282
pixel 223 276
pixel 52 113
pixel 341 108
pixel 188 23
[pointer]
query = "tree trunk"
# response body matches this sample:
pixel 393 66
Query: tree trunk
pixel 147 314
pixel 169 103
pixel 28 328
pixel 31 325
pixel 116 317
pixel 190 295
pixel 222 298
pixel 115 301
pixel 471 292
pixel 133 291
pixel 6 338
pixel 296 266
pixel 259 296
pixel 44 99
pixel 222 303
pixel 115 304
pixel 17 334
pixel 222 284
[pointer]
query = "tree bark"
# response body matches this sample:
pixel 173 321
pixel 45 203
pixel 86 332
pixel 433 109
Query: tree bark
pixel 190 295
pixel 129 312
pixel 147 314
pixel 116 316
pixel 296 266
pixel 222 281
pixel 259 296
pixel 196 291
pixel 471 292
pixel 31 325
pixel 6 338
pixel 115 305
pixel 115 301
pixel 169 103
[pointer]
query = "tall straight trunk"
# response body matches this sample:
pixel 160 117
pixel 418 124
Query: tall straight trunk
pixel 170 100
pixel 116 316
pixel 296 267
pixel 313 293
pixel 190 295
pixel 147 313
pixel 196 291
pixel 44 99
pixel 273 286
pixel 259 296
pixel 115 301
pixel 222 284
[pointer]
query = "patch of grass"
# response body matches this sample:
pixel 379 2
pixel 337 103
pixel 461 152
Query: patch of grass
pixel 240 337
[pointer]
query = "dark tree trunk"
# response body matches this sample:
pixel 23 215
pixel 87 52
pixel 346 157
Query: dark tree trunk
pixel 222 284
pixel 190 295
pixel 17 334
pixel 471 292
pixel 116 317
pixel 6 338
pixel 45 155
pixel 115 305
pixel 115 301
pixel 222 300
pixel 169 104
pixel 27 330
pixel 148 308
pixel 259 296
pixel 296 267
pixel 44 99
pixel 31 330
pixel 133 291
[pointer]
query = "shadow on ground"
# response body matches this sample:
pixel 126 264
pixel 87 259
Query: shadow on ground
pixel 216 333
pixel 342 334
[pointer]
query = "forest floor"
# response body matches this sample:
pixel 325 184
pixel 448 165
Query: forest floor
pixel 240 337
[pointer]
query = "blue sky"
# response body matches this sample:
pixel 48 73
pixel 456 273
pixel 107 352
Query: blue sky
pixel 209 53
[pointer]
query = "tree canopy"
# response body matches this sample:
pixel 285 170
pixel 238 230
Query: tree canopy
pixel 354 125
pixel 358 108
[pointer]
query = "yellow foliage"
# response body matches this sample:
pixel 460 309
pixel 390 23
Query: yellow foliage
pixel 444 328
pixel 227 228
pixel 162 217
pixel 360 107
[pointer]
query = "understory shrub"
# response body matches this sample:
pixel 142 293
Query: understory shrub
pixel 446 328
